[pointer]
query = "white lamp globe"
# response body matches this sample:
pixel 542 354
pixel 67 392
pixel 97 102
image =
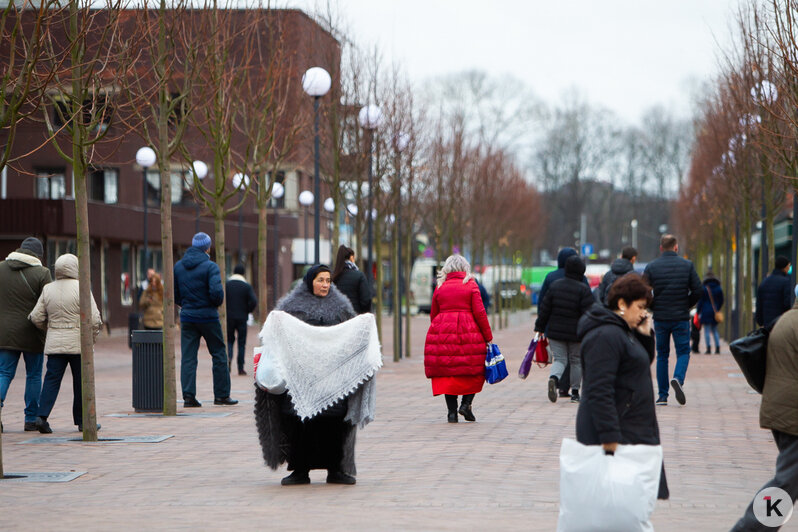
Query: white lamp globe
pixel 306 198
pixel 145 157
pixel 316 82
pixel 278 190
pixel 240 178
pixel 200 169
pixel 329 205
pixel 402 141
pixel 370 117
pixel 373 214
pixel 352 208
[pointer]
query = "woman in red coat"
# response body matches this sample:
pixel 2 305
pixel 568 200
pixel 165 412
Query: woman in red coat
pixel 455 349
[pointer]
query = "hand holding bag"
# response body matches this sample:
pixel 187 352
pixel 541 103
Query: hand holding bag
pixel 495 366
pixel 542 357
pixel 601 492
pixel 750 352
pixel 268 376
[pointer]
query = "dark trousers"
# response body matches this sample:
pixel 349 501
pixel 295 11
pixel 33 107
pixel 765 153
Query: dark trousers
pixel 190 334
pixel 786 478
pixel 237 327
pixel 451 401
pixel 56 367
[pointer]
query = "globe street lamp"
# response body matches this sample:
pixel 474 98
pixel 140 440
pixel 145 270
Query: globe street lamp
pixel 305 199
pixel 241 182
pixel 145 157
pixel 370 118
pixel 200 170
pixel 634 233
pixel 277 192
pixel 316 82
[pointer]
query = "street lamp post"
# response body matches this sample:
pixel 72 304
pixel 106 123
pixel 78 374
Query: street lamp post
pixel 305 199
pixel 634 233
pixel 145 157
pixel 764 93
pixel 316 82
pixel 241 182
pixel 200 170
pixel 329 206
pixel 277 192
pixel 370 118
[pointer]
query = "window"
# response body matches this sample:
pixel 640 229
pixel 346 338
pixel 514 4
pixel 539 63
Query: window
pixel 103 185
pixel 97 112
pixel 3 184
pixel 278 203
pixel 127 277
pixel 180 187
pixel 50 184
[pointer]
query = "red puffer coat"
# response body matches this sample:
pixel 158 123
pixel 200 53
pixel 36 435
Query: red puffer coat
pixel 456 339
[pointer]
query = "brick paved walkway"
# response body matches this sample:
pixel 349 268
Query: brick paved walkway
pixel 416 472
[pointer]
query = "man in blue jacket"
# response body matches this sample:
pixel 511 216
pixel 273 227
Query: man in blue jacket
pixel 774 295
pixel 198 292
pixel 677 288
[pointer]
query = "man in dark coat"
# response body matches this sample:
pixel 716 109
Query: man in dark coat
pixel 198 292
pixel 559 273
pixel 619 267
pixel 677 288
pixel 779 413
pixel 565 302
pixel 241 301
pixel 774 296
pixel 22 278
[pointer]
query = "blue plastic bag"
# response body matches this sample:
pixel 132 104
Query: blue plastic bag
pixel 495 366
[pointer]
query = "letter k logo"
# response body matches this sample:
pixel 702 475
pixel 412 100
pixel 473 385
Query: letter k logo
pixel 773 507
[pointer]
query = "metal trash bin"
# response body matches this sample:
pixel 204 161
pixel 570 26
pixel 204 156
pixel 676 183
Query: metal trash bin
pixel 133 324
pixel 147 371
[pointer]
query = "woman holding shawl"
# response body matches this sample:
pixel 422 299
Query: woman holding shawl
pixel 328 358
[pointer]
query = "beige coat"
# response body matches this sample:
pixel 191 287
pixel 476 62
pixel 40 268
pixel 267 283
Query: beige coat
pixel 58 310
pixel 780 396
pixel 152 305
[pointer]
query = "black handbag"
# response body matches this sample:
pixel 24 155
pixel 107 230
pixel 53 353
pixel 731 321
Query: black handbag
pixel 750 352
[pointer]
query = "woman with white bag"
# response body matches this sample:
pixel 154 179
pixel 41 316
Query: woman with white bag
pixel 326 357
pixel 617 404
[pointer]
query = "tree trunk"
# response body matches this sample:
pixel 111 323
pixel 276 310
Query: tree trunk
pixel 407 271
pixel 378 274
pixel 167 248
pixel 397 300
pixel 218 225
pixel 263 247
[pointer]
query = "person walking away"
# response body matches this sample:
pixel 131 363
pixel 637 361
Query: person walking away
pixel 241 300
pixel 456 342
pixel 324 438
pixel 779 413
pixel 695 330
pixel 559 273
pixel 22 278
pixel 774 296
pixel 677 288
pixel 58 312
pixel 565 302
pixel 711 302
pixel 619 267
pixel 351 281
pixel 198 293
pixel 617 404
pixel 151 304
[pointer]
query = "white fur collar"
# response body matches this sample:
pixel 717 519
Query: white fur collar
pixel 237 277
pixel 22 257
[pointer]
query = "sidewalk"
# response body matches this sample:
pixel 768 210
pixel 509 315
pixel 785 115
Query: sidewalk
pixel 415 471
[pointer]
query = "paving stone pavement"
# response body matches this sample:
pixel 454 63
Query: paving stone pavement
pixel 415 470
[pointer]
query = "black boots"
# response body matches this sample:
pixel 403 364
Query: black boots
pixel 451 404
pixel 296 478
pixel 717 349
pixel 465 408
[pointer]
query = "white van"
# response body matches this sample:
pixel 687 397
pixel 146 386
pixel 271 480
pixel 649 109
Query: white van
pixel 422 280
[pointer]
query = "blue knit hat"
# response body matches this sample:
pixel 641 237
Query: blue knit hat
pixel 202 241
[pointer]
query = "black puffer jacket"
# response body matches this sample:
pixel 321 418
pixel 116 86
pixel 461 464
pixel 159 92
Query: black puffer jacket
pixel 617 403
pixel 564 304
pixel 353 284
pixel 773 297
pixel 676 285
pixel 618 268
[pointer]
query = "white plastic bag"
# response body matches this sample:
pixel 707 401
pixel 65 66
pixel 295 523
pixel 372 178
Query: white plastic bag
pixel 599 492
pixel 267 375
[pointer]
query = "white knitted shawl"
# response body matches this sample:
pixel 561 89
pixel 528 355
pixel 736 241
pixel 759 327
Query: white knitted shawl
pixel 322 365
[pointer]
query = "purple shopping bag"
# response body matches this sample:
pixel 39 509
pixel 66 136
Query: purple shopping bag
pixel 526 364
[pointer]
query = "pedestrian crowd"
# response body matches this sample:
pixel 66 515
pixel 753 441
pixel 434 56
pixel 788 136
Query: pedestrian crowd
pixel 320 347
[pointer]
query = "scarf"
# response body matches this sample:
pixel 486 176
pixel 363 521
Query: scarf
pixel 322 365
pixel 349 265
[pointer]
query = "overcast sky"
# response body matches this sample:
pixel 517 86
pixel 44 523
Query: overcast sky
pixel 627 55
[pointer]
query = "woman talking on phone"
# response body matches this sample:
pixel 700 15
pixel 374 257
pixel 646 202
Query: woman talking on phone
pixel 617 405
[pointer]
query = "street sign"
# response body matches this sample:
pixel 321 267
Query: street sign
pixel 587 249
